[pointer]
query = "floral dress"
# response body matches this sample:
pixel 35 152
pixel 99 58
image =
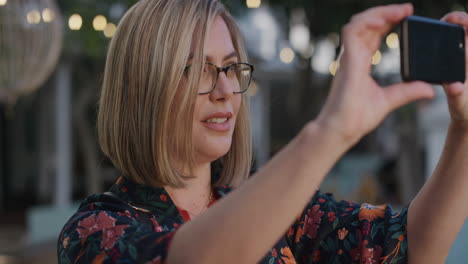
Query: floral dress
pixel 135 223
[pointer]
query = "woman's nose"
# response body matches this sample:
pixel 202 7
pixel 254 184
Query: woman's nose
pixel 224 88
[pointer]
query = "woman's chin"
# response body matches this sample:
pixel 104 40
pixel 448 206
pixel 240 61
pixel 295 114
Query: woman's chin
pixel 213 152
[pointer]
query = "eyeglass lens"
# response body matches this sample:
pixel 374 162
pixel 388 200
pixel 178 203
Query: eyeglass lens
pixel 237 74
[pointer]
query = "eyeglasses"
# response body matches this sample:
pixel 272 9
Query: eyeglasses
pixel 239 75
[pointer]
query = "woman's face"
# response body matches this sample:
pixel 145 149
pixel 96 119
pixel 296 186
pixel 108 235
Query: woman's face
pixel 215 113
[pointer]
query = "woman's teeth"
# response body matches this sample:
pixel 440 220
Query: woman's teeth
pixel 216 120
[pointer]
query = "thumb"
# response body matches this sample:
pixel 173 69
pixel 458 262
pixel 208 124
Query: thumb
pixel 403 93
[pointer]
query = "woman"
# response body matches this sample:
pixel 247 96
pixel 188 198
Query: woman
pixel 173 110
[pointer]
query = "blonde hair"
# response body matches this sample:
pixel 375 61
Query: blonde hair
pixel 142 93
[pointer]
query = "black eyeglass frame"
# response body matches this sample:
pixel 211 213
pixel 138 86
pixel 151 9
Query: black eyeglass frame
pixel 225 69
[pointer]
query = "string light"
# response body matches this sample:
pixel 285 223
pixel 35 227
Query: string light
pixel 392 40
pixel 254 3
pixel 109 31
pixel 99 23
pixel 48 15
pixel 75 22
pixel 376 58
pixel 33 17
pixel 287 55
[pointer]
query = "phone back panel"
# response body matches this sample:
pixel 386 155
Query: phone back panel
pixel 432 51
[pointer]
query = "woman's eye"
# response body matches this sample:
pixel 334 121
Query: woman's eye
pixel 232 67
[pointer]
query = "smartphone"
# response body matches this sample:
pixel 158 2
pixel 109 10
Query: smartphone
pixel 432 50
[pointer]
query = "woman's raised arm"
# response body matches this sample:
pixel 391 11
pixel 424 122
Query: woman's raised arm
pixel 242 227
pixel 439 210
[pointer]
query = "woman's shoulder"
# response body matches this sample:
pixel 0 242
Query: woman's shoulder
pixel 105 226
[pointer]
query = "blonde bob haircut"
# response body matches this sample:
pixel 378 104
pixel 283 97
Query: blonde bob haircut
pixel 146 107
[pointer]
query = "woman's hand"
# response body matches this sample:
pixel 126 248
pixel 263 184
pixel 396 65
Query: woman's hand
pixel 457 95
pixel 356 103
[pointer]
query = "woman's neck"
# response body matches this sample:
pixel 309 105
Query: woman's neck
pixel 195 197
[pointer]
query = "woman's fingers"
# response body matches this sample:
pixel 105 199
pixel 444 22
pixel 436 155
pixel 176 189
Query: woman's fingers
pixel 457 101
pixel 389 15
pixel 457 17
pixel 403 93
pixel 363 34
pixel 454 90
pixel 457 96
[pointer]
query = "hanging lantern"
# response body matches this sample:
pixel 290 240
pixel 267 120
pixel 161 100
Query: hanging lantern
pixel 31 36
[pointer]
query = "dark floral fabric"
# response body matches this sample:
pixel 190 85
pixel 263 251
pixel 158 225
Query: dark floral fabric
pixel 135 223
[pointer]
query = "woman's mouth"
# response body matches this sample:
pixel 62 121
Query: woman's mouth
pixel 218 122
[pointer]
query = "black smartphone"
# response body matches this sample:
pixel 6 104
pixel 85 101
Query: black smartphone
pixel 432 50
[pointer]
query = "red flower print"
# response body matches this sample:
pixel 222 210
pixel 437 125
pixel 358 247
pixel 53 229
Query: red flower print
pixel 331 216
pixel 274 253
pixel 124 189
pixel 92 224
pixel 114 254
pixel 321 200
pixel 156 260
pixel 366 228
pixel 163 197
pixel 370 212
pixel 156 226
pixel 126 213
pixel 371 255
pixel 290 232
pixel 312 221
pixel 110 235
pixel 316 255
pixel 355 254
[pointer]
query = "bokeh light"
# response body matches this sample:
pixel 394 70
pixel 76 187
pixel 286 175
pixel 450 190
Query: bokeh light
pixel 376 58
pixel 109 31
pixel 254 3
pixel 48 15
pixel 3 2
pixel 287 55
pixel 99 23
pixel 392 40
pixel 75 22
pixel 33 17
